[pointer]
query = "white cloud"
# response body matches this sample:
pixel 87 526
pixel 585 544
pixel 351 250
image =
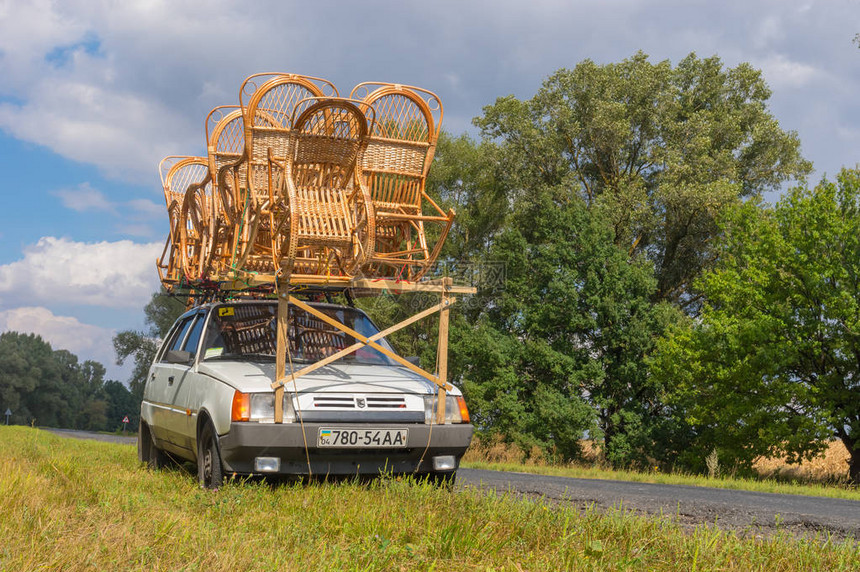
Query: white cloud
pixel 63 332
pixel 770 30
pixel 124 133
pixel 85 198
pixel 781 72
pixel 57 270
pixel 29 31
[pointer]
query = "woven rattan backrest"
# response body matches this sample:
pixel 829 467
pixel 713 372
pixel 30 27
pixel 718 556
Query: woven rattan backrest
pixel 225 143
pixel 401 144
pixel 403 112
pixel 177 174
pixel 268 103
pixel 322 194
pixel 225 137
pixel 328 133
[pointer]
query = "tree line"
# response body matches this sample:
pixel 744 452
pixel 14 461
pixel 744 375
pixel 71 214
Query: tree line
pixel 47 387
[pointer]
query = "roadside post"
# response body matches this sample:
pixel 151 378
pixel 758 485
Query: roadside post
pixel 8 415
pixel 125 425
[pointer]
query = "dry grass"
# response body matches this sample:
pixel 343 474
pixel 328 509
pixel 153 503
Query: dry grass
pixel 494 449
pixel 830 467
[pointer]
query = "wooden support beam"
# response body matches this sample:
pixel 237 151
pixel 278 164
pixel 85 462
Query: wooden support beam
pixel 280 381
pixel 402 361
pixel 233 283
pixel 282 346
pixel 442 360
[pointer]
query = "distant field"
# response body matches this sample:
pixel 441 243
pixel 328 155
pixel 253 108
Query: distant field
pixel 85 505
pixel 832 466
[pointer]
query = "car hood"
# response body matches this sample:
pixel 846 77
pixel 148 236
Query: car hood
pixel 251 377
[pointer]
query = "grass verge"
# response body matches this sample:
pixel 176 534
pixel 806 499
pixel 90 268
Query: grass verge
pixel 85 505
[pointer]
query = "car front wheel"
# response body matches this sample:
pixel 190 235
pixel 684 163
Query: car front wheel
pixel 209 471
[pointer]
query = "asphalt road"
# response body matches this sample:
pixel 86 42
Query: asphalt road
pixel 94 436
pixel 747 512
pixel 744 511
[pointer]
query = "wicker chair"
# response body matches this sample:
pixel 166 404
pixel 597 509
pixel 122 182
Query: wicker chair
pixel 395 165
pixel 268 104
pixel 323 217
pixel 178 174
pixel 197 236
pixel 225 143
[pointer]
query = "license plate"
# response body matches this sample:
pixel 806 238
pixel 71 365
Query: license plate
pixel 364 438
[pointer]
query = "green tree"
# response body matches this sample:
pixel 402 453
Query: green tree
pixel 161 312
pixel 773 365
pixel 26 360
pixel 561 349
pixel 120 403
pixel 54 388
pixel 467 176
pixel 661 151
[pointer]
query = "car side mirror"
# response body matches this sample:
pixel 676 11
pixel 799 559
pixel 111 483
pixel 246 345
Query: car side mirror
pixel 414 360
pixel 178 356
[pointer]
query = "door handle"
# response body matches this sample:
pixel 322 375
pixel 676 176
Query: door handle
pixel 170 380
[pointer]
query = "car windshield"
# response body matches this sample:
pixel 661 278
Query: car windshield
pixel 249 331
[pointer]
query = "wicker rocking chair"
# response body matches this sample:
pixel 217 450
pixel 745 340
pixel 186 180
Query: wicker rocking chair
pixel 178 174
pixel 395 165
pixel 322 218
pixel 225 143
pixel 268 103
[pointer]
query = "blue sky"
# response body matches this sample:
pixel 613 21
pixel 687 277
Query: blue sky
pixel 93 93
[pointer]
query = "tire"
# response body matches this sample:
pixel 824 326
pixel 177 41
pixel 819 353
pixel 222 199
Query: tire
pixel 144 442
pixel 147 452
pixel 209 470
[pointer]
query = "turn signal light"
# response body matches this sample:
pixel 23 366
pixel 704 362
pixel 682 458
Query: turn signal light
pixel 241 410
pixel 464 411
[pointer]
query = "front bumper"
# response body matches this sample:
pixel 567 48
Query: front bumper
pixel 247 441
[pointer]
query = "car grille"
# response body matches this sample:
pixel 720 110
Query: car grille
pixel 376 403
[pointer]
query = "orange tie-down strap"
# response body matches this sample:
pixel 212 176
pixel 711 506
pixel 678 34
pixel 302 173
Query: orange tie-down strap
pixel 367 341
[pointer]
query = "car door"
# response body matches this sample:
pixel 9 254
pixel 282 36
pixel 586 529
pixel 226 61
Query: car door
pixel 162 387
pixel 183 415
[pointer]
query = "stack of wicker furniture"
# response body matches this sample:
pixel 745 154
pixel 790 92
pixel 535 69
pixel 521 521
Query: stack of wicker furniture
pixel 304 186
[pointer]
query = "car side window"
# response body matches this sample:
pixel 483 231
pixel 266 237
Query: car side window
pixel 194 336
pixel 175 341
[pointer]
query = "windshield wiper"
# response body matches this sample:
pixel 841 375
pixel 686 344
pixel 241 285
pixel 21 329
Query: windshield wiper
pixel 241 357
pixel 251 357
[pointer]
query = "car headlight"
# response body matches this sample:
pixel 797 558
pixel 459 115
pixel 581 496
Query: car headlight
pixel 455 409
pixel 260 407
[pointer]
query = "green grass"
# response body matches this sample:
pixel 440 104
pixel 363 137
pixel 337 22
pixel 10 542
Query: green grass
pixel 757 485
pixel 84 505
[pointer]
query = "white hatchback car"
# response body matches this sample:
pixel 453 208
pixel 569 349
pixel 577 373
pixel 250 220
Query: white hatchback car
pixel 208 400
